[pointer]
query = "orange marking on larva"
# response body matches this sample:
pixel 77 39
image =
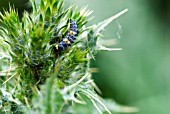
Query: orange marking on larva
pixel 71 32
pixel 56 46
pixel 66 40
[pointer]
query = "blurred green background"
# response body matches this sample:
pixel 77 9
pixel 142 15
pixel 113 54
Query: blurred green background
pixel 139 75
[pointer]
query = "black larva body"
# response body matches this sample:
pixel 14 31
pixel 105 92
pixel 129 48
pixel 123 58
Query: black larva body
pixel 69 38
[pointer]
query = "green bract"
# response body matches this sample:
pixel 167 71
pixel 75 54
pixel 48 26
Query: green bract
pixel 35 78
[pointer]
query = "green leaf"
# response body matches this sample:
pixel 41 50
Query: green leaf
pixel 94 98
pixel 51 1
pixel 42 7
pixel 78 56
pixel 115 107
pixel 60 5
pixel 50 101
pixel 87 108
pixel 34 6
pixel 54 8
pixel 41 18
pixel 47 14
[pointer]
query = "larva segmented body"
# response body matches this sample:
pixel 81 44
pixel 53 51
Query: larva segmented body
pixel 69 38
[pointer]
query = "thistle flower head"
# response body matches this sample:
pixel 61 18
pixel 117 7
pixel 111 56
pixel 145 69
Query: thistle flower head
pixel 46 58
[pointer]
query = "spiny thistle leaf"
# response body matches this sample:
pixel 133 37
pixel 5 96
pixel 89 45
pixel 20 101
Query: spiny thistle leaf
pixel 92 95
pixel 100 26
pixel 84 108
pixel 50 101
pixel 94 34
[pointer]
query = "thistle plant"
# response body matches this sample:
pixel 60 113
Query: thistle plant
pixel 36 76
